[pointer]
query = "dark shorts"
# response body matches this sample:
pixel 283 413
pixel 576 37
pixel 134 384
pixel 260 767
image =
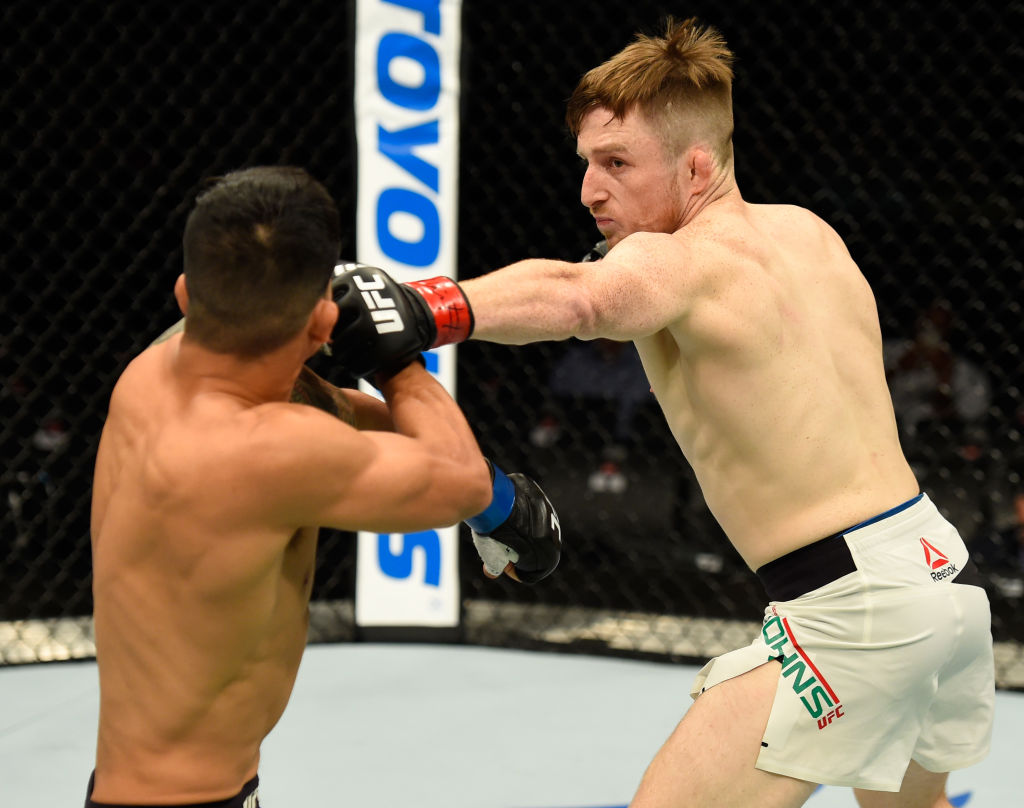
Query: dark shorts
pixel 246 798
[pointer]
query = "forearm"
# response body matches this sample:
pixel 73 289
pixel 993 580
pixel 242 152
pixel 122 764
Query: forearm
pixel 423 410
pixel 531 301
pixel 370 412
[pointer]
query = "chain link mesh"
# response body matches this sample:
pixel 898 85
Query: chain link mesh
pixel 897 125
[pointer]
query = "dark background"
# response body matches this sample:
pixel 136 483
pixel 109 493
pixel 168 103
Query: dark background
pixel 896 123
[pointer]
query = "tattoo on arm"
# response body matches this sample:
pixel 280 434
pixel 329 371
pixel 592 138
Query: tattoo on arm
pixel 312 390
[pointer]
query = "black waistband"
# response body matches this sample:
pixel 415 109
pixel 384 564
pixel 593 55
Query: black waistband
pixel 238 801
pixel 818 563
pixel 826 560
pixel 807 568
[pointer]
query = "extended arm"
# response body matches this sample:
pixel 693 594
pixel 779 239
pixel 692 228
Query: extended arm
pixel 644 284
pixel 640 287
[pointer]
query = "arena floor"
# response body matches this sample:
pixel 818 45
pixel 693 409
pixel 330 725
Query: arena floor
pixel 433 727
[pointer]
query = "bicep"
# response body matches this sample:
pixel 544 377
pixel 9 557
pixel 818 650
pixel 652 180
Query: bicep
pixel 639 288
pixel 399 487
pixel 332 475
pixel 369 411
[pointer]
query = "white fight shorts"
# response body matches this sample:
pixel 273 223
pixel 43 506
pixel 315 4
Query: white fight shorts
pixel 885 653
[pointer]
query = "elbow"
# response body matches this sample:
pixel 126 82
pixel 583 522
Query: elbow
pixel 472 494
pixel 587 323
pixel 580 311
pixel 479 491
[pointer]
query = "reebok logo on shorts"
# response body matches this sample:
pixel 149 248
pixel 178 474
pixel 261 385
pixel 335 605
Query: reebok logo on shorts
pixel 817 696
pixel 936 560
pixel 933 557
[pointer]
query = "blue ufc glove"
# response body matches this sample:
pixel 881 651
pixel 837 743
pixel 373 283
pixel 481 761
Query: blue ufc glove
pixel 519 526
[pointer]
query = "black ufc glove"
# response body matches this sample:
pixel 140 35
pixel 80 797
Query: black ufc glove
pixel 384 325
pixel 520 525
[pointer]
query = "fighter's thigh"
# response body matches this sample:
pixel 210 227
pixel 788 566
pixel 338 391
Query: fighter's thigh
pixel 709 758
pixel 921 789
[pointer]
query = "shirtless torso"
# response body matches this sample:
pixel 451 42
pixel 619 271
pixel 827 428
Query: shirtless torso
pixel 772 381
pixel 201 611
pixel 202 574
pixel 758 333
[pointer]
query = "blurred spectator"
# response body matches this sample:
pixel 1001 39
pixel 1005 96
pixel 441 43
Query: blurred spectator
pixel 1000 548
pixel 930 384
pixel 29 445
pixel 52 436
pixel 608 371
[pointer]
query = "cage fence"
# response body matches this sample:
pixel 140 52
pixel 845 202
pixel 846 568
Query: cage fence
pixel 896 124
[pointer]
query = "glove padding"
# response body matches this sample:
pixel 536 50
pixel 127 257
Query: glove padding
pixel 381 328
pixel 597 252
pixel 530 537
pixel 384 325
pixel 495 555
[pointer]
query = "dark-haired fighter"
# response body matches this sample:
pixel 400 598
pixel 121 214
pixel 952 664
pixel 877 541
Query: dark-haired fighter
pixel 210 482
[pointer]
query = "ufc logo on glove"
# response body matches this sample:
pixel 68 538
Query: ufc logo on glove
pixel 382 308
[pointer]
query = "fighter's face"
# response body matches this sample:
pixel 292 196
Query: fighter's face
pixel 630 185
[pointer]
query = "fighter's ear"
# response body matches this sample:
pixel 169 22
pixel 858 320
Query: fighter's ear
pixel 322 320
pixel 699 168
pixel 181 294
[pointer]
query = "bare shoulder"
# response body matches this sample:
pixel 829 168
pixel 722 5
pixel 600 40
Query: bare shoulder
pixel 659 258
pixel 651 250
pixel 141 385
pixel 803 225
pixel 813 249
pixel 282 431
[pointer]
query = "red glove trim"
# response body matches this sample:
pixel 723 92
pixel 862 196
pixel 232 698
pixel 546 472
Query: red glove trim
pixel 452 313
